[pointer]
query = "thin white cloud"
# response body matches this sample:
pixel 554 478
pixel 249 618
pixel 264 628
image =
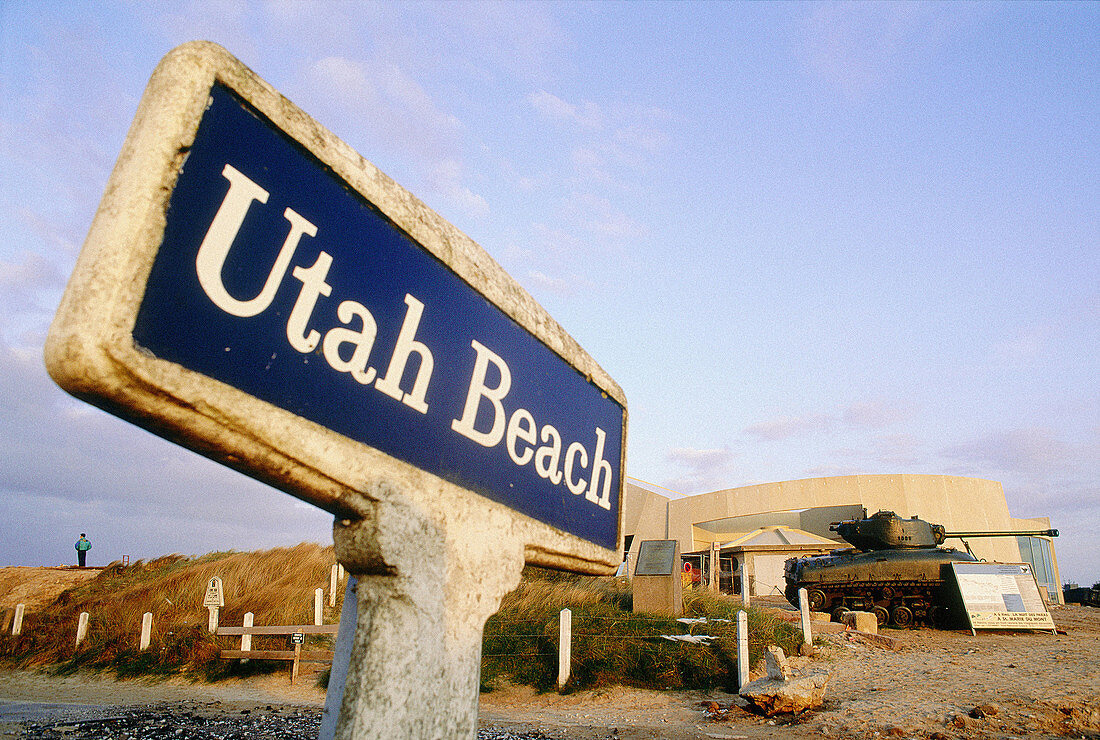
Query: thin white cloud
pixel 599 215
pixel 873 414
pixel 586 115
pixel 81 469
pixel 1025 344
pixel 560 286
pixel 446 179
pixel 860 47
pixel 786 427
pixel 704 469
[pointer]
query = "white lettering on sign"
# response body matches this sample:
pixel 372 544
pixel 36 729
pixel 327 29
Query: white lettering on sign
pixel 347 349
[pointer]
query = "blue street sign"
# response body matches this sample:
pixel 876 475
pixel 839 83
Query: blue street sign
pixel 277 278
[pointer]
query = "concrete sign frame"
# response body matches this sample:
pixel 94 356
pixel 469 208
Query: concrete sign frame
pixel 433 548
pixel 91 351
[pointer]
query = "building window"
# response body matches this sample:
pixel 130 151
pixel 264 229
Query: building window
pixel 1036 552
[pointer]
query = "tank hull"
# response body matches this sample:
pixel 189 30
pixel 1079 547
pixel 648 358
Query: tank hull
pixel 902 587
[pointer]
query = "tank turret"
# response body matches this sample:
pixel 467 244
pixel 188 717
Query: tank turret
pixel 895 569
pixel 885 530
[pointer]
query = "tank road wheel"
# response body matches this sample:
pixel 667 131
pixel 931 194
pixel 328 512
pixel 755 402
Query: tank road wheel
pixel 902 616
pixel 882 616
pixel 838 613
pixel 887 593
pixel 816 600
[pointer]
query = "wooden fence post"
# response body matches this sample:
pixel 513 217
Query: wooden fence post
pixel 742 648
pixel 246 638
pixel 17 623
pixel 318 606
pixel 565 646
pixel 146 631
pixel 81 628
pixel 333 577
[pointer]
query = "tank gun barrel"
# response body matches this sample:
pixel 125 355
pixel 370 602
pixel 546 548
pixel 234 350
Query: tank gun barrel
pixel 1034 533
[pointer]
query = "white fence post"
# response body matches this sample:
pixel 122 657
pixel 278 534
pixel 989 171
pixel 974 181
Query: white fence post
pixel 81 628
pixel 17 623
pixel 804 607
pixel 742 648
pixel 712 567
pixel 333 576
pixel 146 630
pixel 318 605
pixel 565 646
pixel 246 638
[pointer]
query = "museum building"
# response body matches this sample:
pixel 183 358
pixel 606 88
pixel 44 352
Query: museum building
pixel 756 528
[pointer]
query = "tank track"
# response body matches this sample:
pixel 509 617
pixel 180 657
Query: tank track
pixel 900 603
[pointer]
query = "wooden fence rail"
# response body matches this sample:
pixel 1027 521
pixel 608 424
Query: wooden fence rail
pixel 297 655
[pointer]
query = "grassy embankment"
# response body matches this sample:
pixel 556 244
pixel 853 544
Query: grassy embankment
pixel 611 644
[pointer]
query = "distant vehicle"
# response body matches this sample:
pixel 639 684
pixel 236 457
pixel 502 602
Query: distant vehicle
pixel 894 569
pixel 1087 596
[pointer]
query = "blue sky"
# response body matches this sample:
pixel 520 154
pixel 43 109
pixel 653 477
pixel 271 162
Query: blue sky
pixel 806 239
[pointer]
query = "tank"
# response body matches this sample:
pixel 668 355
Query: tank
pixel 895 568
pixel 1073 594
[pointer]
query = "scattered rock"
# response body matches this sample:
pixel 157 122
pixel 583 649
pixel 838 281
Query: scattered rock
pixel 964 722
pixel 771 696
pixel 984 710
pixel 776 663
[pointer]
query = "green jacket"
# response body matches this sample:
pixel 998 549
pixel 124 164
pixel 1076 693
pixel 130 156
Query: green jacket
pixel 83 544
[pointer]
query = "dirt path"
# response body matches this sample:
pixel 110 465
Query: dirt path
pixel 1030 685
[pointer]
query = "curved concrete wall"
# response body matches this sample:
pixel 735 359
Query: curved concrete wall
pixel 955 502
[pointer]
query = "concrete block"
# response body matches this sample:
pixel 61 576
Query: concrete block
pixel 776 662
pixel 861 622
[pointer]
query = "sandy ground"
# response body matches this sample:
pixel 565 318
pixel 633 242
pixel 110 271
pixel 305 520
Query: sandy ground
pixel 1030 685
pixel 35 587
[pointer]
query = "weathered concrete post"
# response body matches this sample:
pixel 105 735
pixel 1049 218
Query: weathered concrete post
pixel 565 646
pixel 333 577
pixel 427 581
pixel 146 631
pixel 81 628
pixel 804 608
pixel 318 606
pixel 17 622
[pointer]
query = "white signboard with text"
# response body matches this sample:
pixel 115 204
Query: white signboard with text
pixel 1001 596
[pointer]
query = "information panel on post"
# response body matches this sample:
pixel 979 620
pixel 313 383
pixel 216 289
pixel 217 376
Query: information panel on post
pixel 254 289
pixel 1001 596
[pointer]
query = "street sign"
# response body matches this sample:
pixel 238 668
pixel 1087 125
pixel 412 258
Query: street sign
pixel 255 290
pixel 214 596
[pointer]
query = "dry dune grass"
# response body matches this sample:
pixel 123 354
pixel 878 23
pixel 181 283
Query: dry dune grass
pixel 611 644
pixel 277 586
